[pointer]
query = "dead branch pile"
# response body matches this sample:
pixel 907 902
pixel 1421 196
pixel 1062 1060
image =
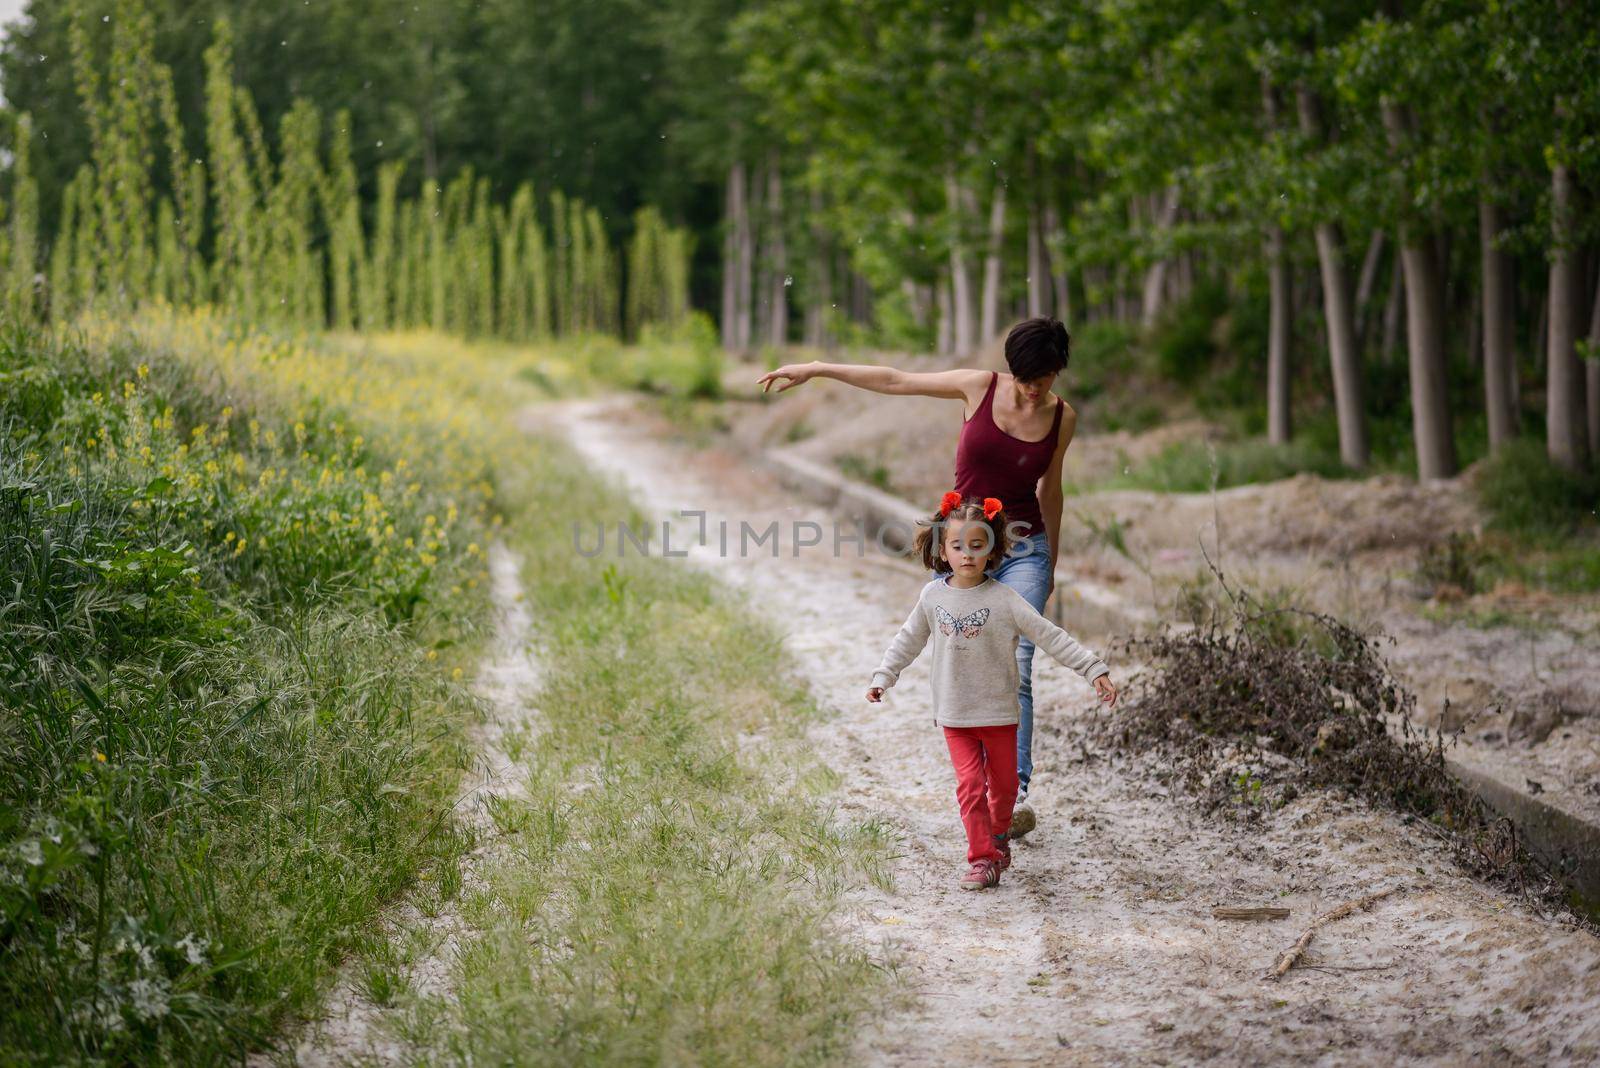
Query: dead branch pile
pixel 1256 704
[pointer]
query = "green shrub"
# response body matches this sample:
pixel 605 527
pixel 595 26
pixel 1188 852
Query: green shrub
pixel 217 759
pixel 1194 466
pixel 1185 343
pixel 685 360
pixel 1526 493
pixel 1101 352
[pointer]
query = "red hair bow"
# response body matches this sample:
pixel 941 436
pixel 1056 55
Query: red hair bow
pixel 991 507
pixel 947 502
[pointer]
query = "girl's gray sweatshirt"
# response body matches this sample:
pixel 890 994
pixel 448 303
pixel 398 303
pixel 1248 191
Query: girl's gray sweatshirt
pixel 975 634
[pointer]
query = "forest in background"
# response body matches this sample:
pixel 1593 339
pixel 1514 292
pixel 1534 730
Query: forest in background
pixel 1343 218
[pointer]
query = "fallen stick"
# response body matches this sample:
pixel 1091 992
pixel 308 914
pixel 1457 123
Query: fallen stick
pixel 1295 952
pixel 1229 912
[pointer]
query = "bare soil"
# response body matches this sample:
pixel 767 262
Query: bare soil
pixel 1099 945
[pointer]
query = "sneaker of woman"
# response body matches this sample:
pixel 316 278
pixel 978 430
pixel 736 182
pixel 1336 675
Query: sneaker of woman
pixel 1022 818
pixel 982 875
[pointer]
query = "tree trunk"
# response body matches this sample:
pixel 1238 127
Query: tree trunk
pixel 1430 400
pixel 1475 329
pixel 819 286
pixel 962 338
pixel 1430 395
pixel 1592 373
pixel 747 262
pixel 1566 437
pixel 991 263
pixel 1155 277
pixel 946 341
pixel 1058 278
pixel 732 210
pixel 1345 356
pixel 1336 306
pixel 1367 281
pixel 761 276
pixel 1393 308
pixel 1498 330
pixel 778 323
pixel 1280 426
pixel 1038 266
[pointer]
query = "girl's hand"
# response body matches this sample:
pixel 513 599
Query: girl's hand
pixel 1107 690
pixel 875 694
pixel 796 373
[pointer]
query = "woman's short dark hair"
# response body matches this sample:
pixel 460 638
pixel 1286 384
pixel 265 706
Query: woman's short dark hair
pixel 1037 347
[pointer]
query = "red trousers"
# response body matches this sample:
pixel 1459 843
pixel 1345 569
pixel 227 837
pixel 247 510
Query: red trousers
pixel 985 759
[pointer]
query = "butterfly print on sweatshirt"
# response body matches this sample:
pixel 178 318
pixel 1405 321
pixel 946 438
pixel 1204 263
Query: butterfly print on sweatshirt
pixel 966 626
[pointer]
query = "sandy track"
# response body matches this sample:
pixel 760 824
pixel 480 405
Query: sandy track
pixel 1099 946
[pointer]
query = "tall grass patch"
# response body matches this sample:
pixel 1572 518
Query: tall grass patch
pixel 237 591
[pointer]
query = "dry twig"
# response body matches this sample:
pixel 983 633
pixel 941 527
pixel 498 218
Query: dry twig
pixel 1296 951
pixel 1228 912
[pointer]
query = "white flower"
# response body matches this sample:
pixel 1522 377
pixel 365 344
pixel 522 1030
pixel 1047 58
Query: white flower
pixel 194 949
pixel 148 998
pixel 31 852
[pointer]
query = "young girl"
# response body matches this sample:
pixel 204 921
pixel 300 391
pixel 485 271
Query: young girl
pixel 976 622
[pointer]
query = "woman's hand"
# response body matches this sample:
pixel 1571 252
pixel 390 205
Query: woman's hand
pixel 875 694
pixel 1107 690
pixel 796 373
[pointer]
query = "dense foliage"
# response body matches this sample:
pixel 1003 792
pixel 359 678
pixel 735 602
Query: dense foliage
pixel 234 706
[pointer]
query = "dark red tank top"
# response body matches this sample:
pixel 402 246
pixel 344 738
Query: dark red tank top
pixel 992 463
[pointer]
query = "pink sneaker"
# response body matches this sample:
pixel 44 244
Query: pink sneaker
pixel 982 875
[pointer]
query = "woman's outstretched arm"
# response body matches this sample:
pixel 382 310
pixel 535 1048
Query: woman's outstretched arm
pixel 961 383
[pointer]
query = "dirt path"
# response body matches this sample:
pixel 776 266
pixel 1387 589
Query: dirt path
pixel 1099 945
pixel 425 940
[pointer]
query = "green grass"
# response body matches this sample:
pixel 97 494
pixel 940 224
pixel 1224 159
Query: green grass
pixel 217 761
pixel 683 362
pixel 1543 533
pixel 865 470
pixel 1528 495
pixel 667 890
pixel 1197 466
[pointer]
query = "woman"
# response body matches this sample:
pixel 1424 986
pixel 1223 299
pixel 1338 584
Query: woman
pixel 1013 436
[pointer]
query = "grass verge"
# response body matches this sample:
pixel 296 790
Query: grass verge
pixel 666 890
pixel 242 575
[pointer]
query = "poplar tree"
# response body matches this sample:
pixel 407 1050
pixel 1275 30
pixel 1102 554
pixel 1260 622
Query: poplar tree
pixel 188 178
pixel 644 276
pixel 538 271
pixel 433 230
pixel 23 239
pixel 297 267
pixel 482 266
pixel 514 293
pixel 341 213
pixel 118 112
pixel 561 279
pixel 380 313
pixel 236 254
pixel 63 290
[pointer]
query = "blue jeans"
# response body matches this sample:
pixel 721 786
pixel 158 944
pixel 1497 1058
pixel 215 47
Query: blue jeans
pixel 1026 569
